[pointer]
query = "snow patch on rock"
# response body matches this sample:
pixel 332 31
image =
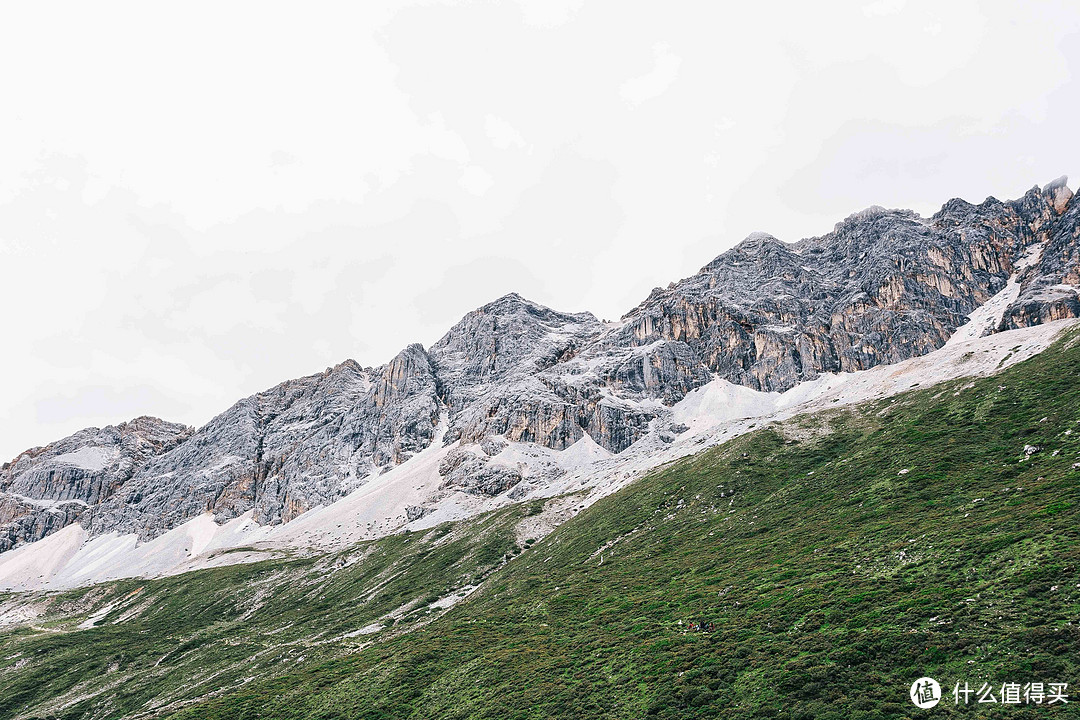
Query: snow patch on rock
pixel 94 459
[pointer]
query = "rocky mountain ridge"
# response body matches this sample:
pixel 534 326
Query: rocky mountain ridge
pixel 883 286
pixel 46 488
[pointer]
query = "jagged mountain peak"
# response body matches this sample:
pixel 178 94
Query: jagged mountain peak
pixel 758 240
pixel 347 365
pixel 508 334
pixel 753 248
pixel 515 313
pixel 1058 193
pixel 769 314
pixel 48 487
pixel 491 361
pixel 1054 195
pixel 410 350
pixel 870 225
pixel 509 303
pixel 147 426
pixel 1056 184
pixel 883 286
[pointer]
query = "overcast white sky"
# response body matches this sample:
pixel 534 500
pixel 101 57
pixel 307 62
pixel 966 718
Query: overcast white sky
pixel 199 200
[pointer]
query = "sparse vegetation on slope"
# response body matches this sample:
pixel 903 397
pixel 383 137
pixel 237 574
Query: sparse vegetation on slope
pixel 147 646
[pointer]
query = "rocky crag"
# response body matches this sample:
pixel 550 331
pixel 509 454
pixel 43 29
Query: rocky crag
pixel 49 487
pixel 884 286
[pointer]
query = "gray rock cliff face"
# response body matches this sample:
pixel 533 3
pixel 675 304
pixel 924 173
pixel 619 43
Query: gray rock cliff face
pixel 304 443
pixel 883 286
pixel 490 369
pixel 47 488
pixel 472 473
pixel 1048 288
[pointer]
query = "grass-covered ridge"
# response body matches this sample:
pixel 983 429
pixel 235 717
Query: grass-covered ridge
pixel 840 557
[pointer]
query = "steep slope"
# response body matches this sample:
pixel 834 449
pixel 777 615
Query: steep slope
pixel 206 630
pixel 303 443
pixel 1049 290
pixel 47 488
pixel 883 287
pixel 488 367
pixel 453 482
pixel 839 556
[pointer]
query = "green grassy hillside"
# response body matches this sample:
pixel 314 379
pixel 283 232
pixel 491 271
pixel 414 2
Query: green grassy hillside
pixel 840 557
pixel 157 644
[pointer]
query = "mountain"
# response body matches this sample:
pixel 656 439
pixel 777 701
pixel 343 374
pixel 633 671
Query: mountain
pixel 836 555
pixel 518 395
pixel 49 487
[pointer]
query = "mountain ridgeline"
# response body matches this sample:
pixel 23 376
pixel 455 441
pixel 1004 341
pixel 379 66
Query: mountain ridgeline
pixel 884 286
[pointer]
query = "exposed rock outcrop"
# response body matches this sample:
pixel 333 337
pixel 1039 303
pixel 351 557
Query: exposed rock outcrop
pixel 279 453
pixel 489 368
pixel 473 472
pixel 883 286
pixel 1049 287
pixel 47 488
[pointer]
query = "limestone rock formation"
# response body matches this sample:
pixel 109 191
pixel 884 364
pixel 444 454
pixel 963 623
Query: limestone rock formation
pixel 474 473
pixel 279 453
pixel 1048 288
pixel 46 488
pixel 490 366
pixel 883 286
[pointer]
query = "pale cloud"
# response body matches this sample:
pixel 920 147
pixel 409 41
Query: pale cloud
pixel 645 87
pixel 548 13
pixel 443 142
pixel 475 180
pixel 883 8
pixel 280 158
pixel 501 133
